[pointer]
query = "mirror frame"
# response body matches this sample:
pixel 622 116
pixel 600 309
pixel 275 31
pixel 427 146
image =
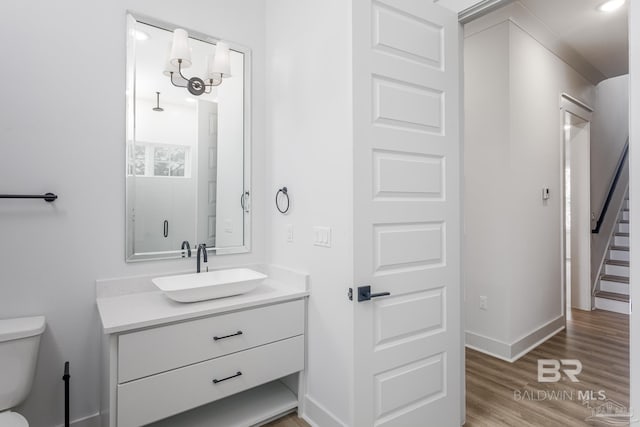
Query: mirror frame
pixel 132 18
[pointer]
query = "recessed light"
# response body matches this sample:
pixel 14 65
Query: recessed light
pixel 611 5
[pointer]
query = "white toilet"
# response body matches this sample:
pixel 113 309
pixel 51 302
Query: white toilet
pixel 19 342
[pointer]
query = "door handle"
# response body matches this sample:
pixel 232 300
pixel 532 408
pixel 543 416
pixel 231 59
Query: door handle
pixel 165 230
pixel 364 293
pixel 243 201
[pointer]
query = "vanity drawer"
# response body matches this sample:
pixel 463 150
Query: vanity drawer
pixel 161 349
pixel 153 398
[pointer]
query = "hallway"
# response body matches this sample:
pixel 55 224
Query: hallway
pixel 508 394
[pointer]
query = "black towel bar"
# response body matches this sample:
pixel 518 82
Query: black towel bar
pixel 48 197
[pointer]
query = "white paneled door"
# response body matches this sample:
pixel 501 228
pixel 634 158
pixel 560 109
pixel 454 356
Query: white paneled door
pixel 407 214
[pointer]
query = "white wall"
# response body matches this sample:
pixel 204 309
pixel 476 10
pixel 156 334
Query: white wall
pixel 160 127
pixel 309 139
pixel 634 192
pixel 486 190
pixel 62 129
pixel 609 132
pixel 516 12
pixel 512 150
pixel 537 80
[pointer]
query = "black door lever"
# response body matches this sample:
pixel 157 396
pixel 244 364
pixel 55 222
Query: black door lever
pixel 364 293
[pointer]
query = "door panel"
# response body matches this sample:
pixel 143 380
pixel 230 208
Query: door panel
pixel 398 247
pixel 408 317
pixel 207 171
pixel 407 221
pixel 408 176
pixel 406 35
pixel 406 106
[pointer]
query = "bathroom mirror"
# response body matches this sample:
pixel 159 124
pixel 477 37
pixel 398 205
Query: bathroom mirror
pixel 188 155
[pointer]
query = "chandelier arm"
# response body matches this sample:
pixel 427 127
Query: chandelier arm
pixel 174 83
pixel 180 69
pixel 218 81
pixel 208 87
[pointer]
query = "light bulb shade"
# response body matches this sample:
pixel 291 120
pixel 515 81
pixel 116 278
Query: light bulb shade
pixel 211 75
pixel 168 66
pixel 222 60
pixel 180 48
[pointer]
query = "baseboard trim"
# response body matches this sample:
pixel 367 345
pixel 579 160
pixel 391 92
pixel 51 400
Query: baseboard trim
pixel 486 345
pixel 527 343
pixel 517 349
pixel 88 421
pixel 318 416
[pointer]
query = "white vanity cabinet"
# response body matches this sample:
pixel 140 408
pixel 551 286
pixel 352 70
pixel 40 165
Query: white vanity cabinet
pixel 160 371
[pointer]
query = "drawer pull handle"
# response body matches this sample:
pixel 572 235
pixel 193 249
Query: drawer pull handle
pixel 228 378
pixel 227 336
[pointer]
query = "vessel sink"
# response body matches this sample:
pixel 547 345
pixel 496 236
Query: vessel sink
pixel 209 285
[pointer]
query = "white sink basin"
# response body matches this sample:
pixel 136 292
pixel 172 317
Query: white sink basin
pixel 209 285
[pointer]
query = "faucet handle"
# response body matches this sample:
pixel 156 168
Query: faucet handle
pixel 185 244
pixel 203 247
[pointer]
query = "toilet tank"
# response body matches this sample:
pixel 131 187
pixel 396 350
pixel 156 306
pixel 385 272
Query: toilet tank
pixel 19 343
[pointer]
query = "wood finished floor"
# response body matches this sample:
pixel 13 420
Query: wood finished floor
pixel 599 339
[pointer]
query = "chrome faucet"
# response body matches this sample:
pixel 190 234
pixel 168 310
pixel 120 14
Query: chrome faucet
pixel 202 249
pixel 188 246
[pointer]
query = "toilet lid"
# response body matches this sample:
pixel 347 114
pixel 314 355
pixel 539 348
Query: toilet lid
pixel 12 419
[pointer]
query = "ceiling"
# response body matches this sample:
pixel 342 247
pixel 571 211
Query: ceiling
pixel 600 38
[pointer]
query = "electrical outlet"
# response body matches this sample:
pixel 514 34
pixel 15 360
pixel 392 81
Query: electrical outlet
pixel 289 233
pixel 484 303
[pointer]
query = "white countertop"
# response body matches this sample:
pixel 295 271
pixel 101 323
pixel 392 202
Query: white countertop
pixel 125 312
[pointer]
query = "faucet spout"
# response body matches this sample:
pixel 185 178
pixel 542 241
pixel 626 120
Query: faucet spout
pixel 202 249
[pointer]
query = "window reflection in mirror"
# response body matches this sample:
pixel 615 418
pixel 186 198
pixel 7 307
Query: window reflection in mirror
pixel 187 155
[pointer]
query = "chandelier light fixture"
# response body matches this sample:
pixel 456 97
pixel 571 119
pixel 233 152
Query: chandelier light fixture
pixel 218 65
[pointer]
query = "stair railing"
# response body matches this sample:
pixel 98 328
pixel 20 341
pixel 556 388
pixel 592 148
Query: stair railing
pixel 612 187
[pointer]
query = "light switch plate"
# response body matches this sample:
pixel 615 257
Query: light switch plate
pixel 322 236
pixel 289 228
pixel 545 193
